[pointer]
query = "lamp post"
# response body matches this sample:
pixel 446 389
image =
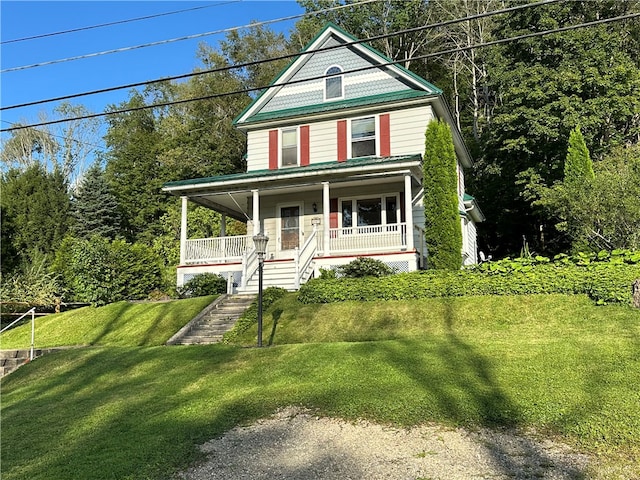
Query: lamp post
pixel 260 242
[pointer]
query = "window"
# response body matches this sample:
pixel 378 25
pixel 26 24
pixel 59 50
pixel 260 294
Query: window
pixel 289 147
pixel 333 85
pixel 380 211
pixel 363 137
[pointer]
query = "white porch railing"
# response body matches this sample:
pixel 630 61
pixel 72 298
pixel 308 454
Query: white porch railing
pixel 371 238
pixel 220 249
pixel 249 266
pixel 304 256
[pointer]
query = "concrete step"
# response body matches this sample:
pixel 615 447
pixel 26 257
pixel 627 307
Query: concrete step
pixel 214 321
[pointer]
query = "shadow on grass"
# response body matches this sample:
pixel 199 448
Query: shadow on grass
pixel 276 314
pixel 460 383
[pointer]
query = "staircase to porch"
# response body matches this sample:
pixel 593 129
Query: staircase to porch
pixel 213 322
pixel 277 273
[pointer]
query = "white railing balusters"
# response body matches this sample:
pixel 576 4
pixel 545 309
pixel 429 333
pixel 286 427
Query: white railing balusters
pixel 370 238
pixel 215 250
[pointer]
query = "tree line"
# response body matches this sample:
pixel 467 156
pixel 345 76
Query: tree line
pixel 553 124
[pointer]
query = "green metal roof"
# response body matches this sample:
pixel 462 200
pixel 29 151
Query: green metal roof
pixel 318 167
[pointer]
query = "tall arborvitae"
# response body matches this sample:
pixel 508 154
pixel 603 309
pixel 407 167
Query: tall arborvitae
pixel 95 208
pixel 578 168
pixel 443 230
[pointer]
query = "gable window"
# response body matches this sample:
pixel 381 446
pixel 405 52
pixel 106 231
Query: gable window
pixel 289 147
pixel 333 85
pixel 363 137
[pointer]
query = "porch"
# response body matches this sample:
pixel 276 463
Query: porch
pixel 317 216
pixel 235 259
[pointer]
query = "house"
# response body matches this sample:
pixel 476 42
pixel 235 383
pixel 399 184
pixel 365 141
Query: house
pixel 334 172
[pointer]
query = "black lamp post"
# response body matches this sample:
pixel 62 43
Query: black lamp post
pixel 260 242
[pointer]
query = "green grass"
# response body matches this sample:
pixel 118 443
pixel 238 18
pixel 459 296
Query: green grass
pixel 557 363
pixel 118 324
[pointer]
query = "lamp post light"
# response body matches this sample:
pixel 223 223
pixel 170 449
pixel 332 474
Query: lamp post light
pixel 260 242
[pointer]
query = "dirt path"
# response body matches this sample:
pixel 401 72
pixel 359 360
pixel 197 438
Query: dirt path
pixel 294 444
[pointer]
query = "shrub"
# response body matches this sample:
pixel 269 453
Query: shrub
pixel 100 271
pixel 605 281
pixel 204 284
pixel 365 267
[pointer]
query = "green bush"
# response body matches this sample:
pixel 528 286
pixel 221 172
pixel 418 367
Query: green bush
pixel 100 271
pixel 605 281
pixel 204 284
pixel 365 267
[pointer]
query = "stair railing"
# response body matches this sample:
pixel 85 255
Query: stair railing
pixel 249 266
pixel 33 327
pixel 304 256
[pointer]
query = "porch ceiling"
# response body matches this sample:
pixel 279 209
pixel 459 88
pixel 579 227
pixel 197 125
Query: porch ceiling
pixel 228 193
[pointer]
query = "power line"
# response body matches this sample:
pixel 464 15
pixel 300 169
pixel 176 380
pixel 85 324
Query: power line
pixel 292 82
pixel 101 147
pixel 119 22
pixel 281 57
pixel 188 37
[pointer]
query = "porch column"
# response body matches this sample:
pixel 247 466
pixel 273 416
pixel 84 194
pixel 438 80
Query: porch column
pixel 256 212
pixel 223 225
pixel 408 211
pixel 326 219
pixel 183 231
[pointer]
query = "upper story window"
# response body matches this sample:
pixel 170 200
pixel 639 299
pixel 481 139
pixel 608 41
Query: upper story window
pixel 363 137
pixel 333 86
pixel 289 154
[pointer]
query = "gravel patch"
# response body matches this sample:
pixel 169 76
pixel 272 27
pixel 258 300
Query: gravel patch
pixel 295 444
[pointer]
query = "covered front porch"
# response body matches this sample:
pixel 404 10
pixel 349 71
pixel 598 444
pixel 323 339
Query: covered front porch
pixel 316 217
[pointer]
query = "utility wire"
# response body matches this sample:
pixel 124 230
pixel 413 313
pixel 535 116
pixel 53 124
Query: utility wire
pixel 79 142
pixel 119 22
pixel 282 57
pixel 292 82
pixel 188 37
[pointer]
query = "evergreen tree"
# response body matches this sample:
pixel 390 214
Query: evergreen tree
pixel 443 231
pixel 37 203
pixel 577 166
pixel 95 208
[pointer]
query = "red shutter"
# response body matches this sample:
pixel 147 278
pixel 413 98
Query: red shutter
pixel 342 141
pixel 273 149
pixel 333 213
pixel 385 136
pixel 304 145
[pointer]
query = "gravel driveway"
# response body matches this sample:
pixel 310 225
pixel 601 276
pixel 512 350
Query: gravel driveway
pixel 295 444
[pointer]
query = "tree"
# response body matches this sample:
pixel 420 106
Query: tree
pixel 602 212
pixel 95 209
pixel 133 171
pixel 37 204
pixel 578 168
pixel 545 86
pixel 443 230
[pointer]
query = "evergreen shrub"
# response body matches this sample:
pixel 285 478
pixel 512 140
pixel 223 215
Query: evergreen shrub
pixel 365 267
pixel 204 284
pixel 605 281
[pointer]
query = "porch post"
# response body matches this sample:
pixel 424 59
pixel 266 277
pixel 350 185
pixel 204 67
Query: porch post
pixel 256 212
pixel 183 231
pixel 223 225
pixel 326 222
pixel 408 209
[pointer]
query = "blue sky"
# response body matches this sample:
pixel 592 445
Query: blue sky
pixel 21 19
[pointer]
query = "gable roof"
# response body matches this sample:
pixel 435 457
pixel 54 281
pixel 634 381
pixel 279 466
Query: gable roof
pixel 301 75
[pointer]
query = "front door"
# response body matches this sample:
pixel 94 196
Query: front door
pixel 289 227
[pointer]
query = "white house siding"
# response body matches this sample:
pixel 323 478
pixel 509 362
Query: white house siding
pixel 469 241
pixel 257 150
pixel 323 142
pixel 407 129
